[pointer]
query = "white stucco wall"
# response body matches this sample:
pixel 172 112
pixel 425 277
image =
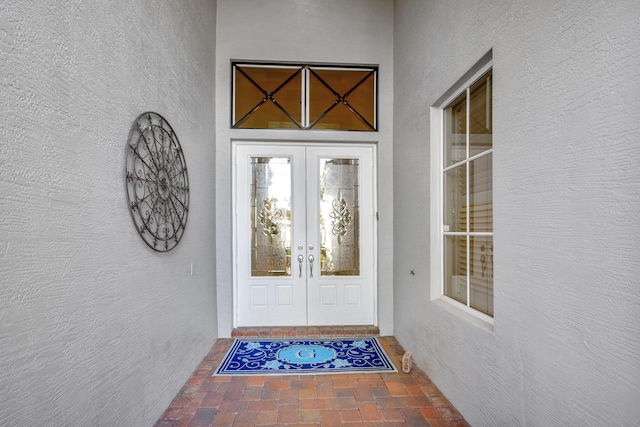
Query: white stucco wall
pixel 326 31
pixel 565 348
pixel 96 329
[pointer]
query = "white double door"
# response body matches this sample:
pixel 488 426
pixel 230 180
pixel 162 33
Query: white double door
pixel 305 243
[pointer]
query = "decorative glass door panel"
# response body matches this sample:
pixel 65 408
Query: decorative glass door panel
pixel 304 231
pixel 270 216
pixel 339 217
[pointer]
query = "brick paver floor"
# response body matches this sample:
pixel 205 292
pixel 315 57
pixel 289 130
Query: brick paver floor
pixel 387 399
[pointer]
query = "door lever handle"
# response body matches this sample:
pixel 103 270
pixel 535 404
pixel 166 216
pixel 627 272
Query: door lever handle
pixel 300 261
pixel 311 258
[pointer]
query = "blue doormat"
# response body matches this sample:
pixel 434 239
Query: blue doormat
pixel 305 356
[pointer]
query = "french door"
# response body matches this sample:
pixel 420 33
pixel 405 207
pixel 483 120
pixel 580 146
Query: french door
pixel 304 227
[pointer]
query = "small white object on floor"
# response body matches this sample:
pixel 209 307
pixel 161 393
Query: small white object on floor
pixel 407 363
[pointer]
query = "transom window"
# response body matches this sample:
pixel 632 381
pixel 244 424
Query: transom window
pixel 276 96
pixel 467 194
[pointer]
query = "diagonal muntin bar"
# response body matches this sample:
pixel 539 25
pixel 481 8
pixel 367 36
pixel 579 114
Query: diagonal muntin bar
pixel 341 99
pixel 268 96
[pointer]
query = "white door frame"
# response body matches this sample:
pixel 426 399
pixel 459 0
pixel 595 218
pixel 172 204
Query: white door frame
pixel 235 144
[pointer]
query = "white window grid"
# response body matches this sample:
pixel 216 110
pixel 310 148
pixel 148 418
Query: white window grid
pixel 438 182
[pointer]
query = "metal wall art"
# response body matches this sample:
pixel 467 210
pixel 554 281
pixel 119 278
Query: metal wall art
pixel 157 182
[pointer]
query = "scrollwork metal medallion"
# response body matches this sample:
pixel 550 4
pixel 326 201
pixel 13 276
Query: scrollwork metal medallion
pixel 270 217
pixel 157 182
pixel 341 217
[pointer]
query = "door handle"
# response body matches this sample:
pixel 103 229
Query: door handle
pixel 311 258
pixel 300 261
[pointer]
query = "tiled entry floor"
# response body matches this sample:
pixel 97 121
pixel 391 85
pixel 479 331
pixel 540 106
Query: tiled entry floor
pixel 389 399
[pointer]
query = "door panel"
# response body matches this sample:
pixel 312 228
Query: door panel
pixel 269 217
pixel 340 228
pixel 304 230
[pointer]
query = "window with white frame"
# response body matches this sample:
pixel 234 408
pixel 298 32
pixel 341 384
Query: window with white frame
pixel 466 194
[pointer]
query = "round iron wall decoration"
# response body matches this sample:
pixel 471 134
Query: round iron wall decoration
pixel 157 182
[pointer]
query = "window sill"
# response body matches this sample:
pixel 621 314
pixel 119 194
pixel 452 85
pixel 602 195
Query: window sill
pixel 469 315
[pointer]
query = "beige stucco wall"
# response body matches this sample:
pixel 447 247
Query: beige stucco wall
pixel 566 97
pixel 96 329
pixel 326 31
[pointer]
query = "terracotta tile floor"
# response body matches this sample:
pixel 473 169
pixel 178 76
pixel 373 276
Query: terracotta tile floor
pixel 388 399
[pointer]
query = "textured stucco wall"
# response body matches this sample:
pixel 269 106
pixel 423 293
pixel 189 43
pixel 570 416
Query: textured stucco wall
pixel 95 327
pixel 329 31
pixel 565 349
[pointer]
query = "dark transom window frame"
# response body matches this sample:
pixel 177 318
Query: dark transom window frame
pixel 306 70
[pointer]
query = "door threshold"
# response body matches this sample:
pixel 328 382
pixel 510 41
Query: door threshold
pixel 307 332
